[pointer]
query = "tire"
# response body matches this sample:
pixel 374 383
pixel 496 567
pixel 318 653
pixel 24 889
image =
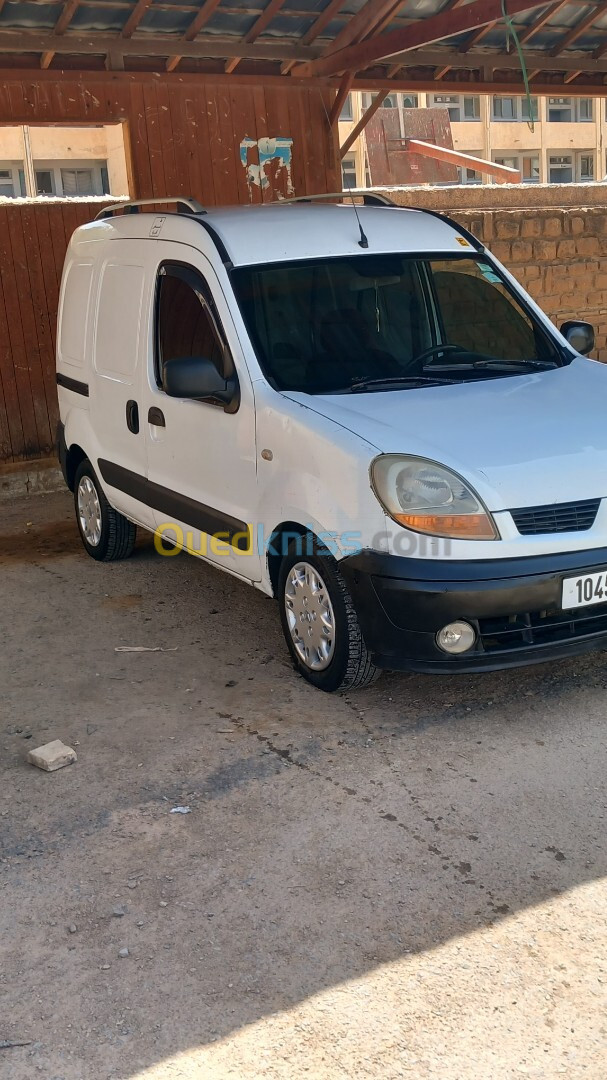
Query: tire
pixel 319 620
pixel 105 534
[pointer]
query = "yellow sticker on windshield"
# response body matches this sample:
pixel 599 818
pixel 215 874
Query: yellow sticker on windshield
pixel 462 241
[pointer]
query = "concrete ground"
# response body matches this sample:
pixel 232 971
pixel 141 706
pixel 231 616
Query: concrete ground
pixel 407 881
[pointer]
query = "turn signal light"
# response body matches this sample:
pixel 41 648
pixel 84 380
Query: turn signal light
pixel 462 526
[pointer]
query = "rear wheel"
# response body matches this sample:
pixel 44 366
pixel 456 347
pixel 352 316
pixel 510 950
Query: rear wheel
pixel 106 534
pixel 319 621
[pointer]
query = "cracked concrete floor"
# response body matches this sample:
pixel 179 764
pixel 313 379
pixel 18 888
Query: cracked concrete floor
pixel 407 881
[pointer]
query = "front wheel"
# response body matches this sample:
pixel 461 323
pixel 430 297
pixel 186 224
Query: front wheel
pixel 106 534
pixel 319 621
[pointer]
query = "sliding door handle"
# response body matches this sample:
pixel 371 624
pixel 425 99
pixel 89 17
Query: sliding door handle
pixel 132 416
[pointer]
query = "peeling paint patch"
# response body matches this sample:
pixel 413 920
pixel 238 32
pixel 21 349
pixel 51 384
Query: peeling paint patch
pixel 267 163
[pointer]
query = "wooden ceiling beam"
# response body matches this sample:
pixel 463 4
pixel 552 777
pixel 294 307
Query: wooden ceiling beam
pixel 258 28
pixel 540 22
pixel 433 58
pixel 576 32
pixel 476 37
pixel 344 89
pixel 206 11
pixel 362 123
pixel 153 46
pixel 135 18
pixel 330 12
pixel 61 26
pixel 424 32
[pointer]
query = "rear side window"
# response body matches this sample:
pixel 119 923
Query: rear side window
pixel 186 321
pixel 119 320
pixel 74 312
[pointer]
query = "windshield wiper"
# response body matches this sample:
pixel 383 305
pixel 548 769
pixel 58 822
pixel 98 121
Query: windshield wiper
pixel 400 380
pixel 494 364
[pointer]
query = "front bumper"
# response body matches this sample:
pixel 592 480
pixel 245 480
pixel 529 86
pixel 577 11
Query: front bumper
pixel 514 605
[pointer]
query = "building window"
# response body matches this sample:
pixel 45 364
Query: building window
pixel 565 169
pixel 560 110
pixel 515 108
pixel 459 106
pixel 560 169
pixel 346 110
pixel 393 101
pixel 12 180
pixel 470 176
pixel 585 109
pixel 585 170
pixel 77 182
pixel 45 182
pixel 531 169
pixel 527 164
pixel 348 171
pixel 410 101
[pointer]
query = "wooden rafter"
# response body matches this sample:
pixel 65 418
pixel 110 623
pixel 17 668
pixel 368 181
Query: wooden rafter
pixel 476 37
pixel 155 45
pixel 342 93
pixel 361 24
pixel 330 12
pixel 362 123
pixel 540 21
pixel 423 32
pixel 135 17
pixel 575 32
pixel 257 28
pixel 60 27
pixel 207 10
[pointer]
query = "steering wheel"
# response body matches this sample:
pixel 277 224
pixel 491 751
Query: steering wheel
pixel 427 354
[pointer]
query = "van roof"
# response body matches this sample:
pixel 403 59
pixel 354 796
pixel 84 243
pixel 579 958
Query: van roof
pixel 298 230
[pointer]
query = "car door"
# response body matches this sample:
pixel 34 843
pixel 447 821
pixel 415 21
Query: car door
pixel 120 319
pixel 201 455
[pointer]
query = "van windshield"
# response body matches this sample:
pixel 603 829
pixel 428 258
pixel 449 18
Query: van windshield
pixel 386 322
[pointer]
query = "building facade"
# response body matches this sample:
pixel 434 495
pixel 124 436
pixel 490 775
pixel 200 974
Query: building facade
pixel 62 161
pixel 550 140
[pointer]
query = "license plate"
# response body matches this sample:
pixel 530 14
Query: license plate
pixel 584 590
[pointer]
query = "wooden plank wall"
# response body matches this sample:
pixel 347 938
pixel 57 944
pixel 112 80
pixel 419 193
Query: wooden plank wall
pixel 183 136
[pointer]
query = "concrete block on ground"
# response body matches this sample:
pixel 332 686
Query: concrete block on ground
pixel 52 756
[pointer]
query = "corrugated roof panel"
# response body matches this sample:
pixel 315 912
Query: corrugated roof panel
pixel 284 26
pixel 29 16
pixel 225 25
pixel 101 17
pixel 157 21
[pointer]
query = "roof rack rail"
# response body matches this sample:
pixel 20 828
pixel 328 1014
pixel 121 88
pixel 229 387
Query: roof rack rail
pixel 369 198
pixel 184 206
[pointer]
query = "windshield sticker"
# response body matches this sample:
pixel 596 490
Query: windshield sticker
pixel 461 240
pixel 157 226
pixel 489 274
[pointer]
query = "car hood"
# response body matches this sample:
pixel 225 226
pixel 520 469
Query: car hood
pixel 525 440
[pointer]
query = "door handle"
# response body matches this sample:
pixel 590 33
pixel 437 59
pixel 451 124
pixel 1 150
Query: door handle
pixel 132 416
pixel 156 417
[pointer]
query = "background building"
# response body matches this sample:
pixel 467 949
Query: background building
pixel 567 143
pixel 62 161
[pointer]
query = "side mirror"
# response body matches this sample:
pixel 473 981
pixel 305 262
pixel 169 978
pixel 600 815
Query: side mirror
pixel 580 336
pixel 197 377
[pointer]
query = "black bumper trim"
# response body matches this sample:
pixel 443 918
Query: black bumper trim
pixel 402 603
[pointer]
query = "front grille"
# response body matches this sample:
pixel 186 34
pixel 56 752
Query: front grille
pixel 558 518
pixel 540 628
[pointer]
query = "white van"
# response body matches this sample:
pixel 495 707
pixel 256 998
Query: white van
pixel 357 410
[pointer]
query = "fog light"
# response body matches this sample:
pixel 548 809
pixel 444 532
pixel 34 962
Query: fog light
pixel 456 637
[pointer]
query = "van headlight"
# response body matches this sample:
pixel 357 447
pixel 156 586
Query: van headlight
pixel 429 498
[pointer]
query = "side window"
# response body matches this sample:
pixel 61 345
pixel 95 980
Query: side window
pixel 186 320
